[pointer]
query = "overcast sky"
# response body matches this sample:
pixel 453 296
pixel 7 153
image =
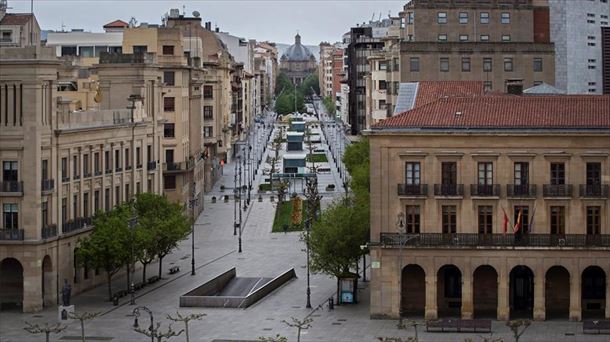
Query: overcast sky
pixel 274 20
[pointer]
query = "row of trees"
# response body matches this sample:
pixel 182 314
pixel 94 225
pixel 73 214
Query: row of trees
pixel 338 233
pixel 117 241
pixel 286 93
pixel 329 104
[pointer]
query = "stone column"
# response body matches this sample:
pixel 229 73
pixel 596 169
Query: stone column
pixel 503 294
pixel 467 296
pixel 539 300
pixel 575 298
pixel 431 308
pixel 32 284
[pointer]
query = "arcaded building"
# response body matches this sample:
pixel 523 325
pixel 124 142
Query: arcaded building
pixel 297 62
pixel 492 206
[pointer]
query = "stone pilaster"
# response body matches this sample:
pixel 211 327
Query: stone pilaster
pixel 503 295
pixel 539 298
pixel 467 296
pixel 575 298
pixel 431 307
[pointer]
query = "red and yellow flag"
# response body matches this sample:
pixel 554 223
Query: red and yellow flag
pixel 518 223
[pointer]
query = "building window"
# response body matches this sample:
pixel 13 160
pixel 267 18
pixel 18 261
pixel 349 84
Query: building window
pixel 208 112
pixel 10 213
pixel 441 17
pixel 86 204
pixel 382 104
pixel 168 50
pixel 127 192
pixel 505 18
pixel 127 160
pixel 383 85
pixel 558 220
pixel 593 220
pixel 448 173
pixel 487 85
pixel 521 173
pixel 463 17
pixel 442 37
pixel 138 157
pixel 169 104
pixel 414 64
pixel 558 173
pixel 396 64
pixel 75 211
pixel 383 65
pixel 524 221
pixel 208 92
pixel 484 17
pixel 466 64
pixel 484 37
pixel 487 64
pixel 64 210
pixel 140 49
pixel 117 195
pixel 508 64
pixel 412 173
pixel 537 64
pixel 485 219
pixel 208 132
pixel 463 37
pixel 10 171
pixel 117 160
pixel 86 165
pixel 594 173
pixel 168 130
pixel 107 163
pixel 449 218
pixel 506 37
pixel 412 219
pixel 169 182
pixel 410 18
pixel 169 78
pixel 45 169
pixel 64 168
pixel 96 163
pixel 75 167
pixel 107 199
pixel 444 65
pixel 486 173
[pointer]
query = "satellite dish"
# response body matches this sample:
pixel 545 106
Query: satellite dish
pixel 196 14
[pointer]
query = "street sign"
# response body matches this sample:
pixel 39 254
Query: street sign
pixel 375 264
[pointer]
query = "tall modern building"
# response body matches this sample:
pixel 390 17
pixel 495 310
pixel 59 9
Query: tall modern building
pixel 577 31
pixel 606 59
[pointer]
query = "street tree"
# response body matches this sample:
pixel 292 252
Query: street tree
pixel 170 230
pixel 159 334
pixel 335 240
pixel 300 325
pixel 107 247
pixel 186 319
pixel 82 318
pixel 46 329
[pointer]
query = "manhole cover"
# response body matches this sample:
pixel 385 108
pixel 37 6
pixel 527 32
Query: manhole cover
pixel 336 323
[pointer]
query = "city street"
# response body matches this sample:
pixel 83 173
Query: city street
pixel 265 254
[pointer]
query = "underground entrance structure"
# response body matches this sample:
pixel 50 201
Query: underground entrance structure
pixel 229 291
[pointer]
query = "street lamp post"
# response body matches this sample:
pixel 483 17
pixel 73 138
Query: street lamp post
pixel 193 202
pixel 240 191
pixel 133 221
pixel 136 314
pixel 400 227
pixel 235 194
pixel 308 226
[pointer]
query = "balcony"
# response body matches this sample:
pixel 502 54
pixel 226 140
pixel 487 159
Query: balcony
pixel 139 166
pixel 65 179
pixel 98 173
pixel 594 191
pixel 152 165
pixel 415 190
pixel 455 190
pixel 49 231
pixel 11 188
pixel 76 177
pixel 118 169
pixel 76 224
pixel 521 191
pixel 108 171
pixel 465 240
pixel 488 190
pixel 47 185
pixel 11 235
pixel 87 175
pixel 173 167
pixel 557 190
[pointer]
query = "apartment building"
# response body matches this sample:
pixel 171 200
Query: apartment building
pixel 325 69
pixel 61 165
pixel 18 29
pixel 492 206
pixel 577 32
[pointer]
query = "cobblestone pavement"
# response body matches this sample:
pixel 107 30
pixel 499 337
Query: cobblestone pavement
pixel 265 254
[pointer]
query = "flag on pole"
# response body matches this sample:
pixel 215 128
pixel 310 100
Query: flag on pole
pixel 505 223
pixel 518 223
pixel 531 222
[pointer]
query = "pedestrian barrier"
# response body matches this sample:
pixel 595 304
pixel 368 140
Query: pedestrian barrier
pixel 596 327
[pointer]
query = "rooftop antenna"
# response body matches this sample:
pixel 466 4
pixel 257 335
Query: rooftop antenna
pixel 63 27
pixel 183 10
pixel 133 22
pixel 373 17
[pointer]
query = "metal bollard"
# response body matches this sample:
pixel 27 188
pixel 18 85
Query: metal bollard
pixel 331 303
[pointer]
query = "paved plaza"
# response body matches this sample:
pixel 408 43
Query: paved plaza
pixel 265 254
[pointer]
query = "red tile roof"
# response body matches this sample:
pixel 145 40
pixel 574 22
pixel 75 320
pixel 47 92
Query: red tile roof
pixel 496 112
pixel 15 19
pixel 116 23
pixel 430 91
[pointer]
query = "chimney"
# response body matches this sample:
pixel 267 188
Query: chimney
pixel 208 25
pixel 217 29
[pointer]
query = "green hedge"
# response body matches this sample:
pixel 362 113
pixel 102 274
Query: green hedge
pixel 317 158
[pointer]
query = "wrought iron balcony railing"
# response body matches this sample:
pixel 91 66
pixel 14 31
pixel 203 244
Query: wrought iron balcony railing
pixel 448 189
pixel 521 190
pixel 11 186
pixel 557 190
pixel 173 167
pixel 76 224
pixel 485 190
pixel 594 191
pixel 494 240
pixel 47 184
pixel 11 235
pixel 152 165
pixel 49 231
pixel 412 189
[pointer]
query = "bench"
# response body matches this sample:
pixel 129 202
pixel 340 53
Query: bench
pixel 459 325
pixel 138 286
pixel 174 270
pixel 153 280
pixel 596 327
pixel 120 294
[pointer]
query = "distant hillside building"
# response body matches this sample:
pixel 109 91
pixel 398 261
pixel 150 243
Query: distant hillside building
pixel 297 62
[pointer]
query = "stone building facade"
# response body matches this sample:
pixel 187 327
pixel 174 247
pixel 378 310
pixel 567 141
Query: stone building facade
pixel 446 176
pixel 297 62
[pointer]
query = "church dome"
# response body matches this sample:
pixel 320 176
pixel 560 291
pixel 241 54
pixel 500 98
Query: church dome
pixel 297 52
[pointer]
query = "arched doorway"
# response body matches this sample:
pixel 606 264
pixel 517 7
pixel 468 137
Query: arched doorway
pixel 11 284
pixel 521 292
pixel 413 291
pixel 449 291
pixel 593 288
pixel 557 293
pixel 485 291
pixel 47 282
